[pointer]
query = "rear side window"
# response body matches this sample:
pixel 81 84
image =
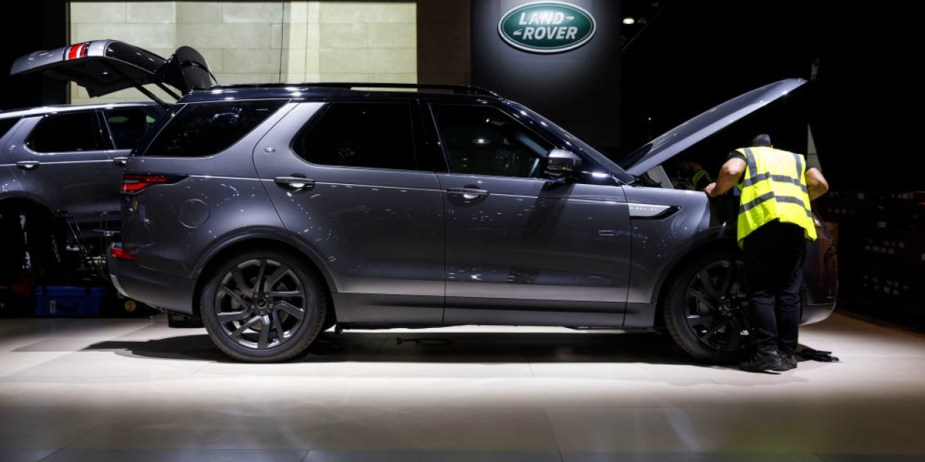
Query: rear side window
pixel 127 125
pixel 373 135
pixel 209 128
pixel 70 132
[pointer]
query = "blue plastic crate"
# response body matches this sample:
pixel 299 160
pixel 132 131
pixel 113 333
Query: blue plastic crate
pixel 68 301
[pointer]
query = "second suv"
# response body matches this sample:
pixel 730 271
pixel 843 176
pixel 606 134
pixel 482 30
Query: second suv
pixel 61 166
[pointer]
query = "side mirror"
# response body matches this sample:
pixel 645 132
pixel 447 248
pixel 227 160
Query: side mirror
pixel 562 164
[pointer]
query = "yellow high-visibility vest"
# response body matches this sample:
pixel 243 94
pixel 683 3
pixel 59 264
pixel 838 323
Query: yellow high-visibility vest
pixel 773 188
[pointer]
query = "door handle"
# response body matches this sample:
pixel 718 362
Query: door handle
pixel 120 161
pixel 468 193
pixel 27 164
pixel 295 183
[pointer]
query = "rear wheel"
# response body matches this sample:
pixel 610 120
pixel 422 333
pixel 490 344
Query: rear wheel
pixel 31 239
pixel 263 306
pixel 13 250
pixel 705 309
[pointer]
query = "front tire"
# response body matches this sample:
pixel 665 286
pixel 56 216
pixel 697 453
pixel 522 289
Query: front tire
pixel 263 306
pixel 705 309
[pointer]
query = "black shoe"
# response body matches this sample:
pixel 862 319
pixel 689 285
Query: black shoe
pixel 787 362
pixel 762 362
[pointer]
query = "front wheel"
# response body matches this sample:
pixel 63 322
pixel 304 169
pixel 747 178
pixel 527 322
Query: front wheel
pixel 705 308
pixel 263 306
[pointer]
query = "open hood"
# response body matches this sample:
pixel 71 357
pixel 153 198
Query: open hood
pixel 107 66
pixel 687 134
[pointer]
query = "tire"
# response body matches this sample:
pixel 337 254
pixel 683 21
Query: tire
pixel 13 250
pixel 705 308
pixel 263 306
pixel 45 240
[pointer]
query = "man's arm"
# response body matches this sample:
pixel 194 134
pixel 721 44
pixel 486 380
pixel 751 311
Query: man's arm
pixel 815 183
pixel 729 175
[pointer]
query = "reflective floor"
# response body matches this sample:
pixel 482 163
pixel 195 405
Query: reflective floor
pixel 135 390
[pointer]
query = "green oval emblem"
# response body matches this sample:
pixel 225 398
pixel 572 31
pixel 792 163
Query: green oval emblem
pixel 546 27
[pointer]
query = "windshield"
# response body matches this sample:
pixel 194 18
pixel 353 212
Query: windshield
pixel 574 143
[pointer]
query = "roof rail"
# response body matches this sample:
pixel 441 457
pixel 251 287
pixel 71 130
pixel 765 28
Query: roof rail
pixel 458 89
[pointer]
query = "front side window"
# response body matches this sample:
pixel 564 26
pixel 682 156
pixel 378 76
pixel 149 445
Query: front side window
pixel 483 140
pixel 68 132
pixel 205 129
pixel 360 134
pixel 127 125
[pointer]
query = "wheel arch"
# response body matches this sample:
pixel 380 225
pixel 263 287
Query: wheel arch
pixel 665 283
pixel 219 255
pixel 25 203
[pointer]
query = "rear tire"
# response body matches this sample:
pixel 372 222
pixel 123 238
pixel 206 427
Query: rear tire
pixel 45 239
pixel 263 306
pixel 705 308
pixel 13 250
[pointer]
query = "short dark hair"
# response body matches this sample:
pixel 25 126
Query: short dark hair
pixel 762 140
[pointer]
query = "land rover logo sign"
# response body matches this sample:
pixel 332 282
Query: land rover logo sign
pixel 546 27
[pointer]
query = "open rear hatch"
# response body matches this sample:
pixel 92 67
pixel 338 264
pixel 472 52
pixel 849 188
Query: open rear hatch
pixel 107 66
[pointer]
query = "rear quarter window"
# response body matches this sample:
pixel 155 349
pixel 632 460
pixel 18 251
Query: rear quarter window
pixel 360 134
pixel 127 125
pixel 204 129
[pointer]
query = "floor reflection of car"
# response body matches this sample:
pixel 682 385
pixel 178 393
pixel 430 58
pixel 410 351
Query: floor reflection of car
pixel 277 211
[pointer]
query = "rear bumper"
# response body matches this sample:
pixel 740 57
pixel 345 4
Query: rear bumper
pixel 819 300
pixel 161 290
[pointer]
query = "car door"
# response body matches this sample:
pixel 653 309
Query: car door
pixel 65 160
pixel 521 248
pixel 352 187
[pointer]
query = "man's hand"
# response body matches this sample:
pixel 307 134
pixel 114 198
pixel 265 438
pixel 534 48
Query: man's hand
pixel 729 175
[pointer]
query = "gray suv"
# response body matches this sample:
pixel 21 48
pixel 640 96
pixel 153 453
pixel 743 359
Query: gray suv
pixel 60 171
pixel 277 211
pixel 61 166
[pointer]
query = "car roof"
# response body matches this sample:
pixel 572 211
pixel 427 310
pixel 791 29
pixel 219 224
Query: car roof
pixel 57 108
pixel 338 90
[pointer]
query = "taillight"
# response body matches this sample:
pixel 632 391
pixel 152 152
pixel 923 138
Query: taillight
pixel 120 253
pixel 77 51
pixel 132 184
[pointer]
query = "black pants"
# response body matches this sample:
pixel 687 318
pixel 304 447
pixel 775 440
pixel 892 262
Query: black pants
pixel 774 255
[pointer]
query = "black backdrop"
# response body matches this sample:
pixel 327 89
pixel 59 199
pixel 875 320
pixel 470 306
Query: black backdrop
pixel 29 26
pixel 864 105
pixel 578 89
pixel 696 54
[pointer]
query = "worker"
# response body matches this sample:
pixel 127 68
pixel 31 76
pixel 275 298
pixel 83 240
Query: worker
pixel 774 223
pixel 699 177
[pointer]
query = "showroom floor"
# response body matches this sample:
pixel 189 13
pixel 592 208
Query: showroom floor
pixel 135 390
